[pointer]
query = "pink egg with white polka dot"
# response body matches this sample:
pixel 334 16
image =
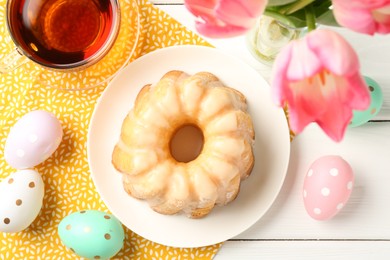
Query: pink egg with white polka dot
pixel 327 187
pixel 32 139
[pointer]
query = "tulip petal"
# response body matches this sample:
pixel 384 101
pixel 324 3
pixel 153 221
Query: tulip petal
pixel 219 30
pixel 298 120
pixel 241 13
pixel 358 96
pixel 279 82
pixel 335 121
pixel 329 113
pixel 308 101
pixel 382 16
pixel 318 77
pixel 225 18
pixel 200 7
pixel 358 20
pixel 364 16
pixel 370 4
pixel 344 63
pixel 304 63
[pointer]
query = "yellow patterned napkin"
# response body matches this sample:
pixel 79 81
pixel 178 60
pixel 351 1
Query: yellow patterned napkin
pixel 68 184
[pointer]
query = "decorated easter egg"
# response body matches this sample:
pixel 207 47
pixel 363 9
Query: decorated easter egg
pixel 362 117
pixel 32 139
pixel 21 196
pixel 327 187
pixel 92 234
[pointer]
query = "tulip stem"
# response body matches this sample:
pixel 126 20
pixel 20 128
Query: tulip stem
pixel 295 6
pixel 310 18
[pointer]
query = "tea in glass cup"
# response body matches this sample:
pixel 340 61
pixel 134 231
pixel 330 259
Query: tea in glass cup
pixel 63 34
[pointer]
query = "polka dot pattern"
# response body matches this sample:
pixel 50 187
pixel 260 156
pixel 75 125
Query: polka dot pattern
pixel 33 138
pixel 68 185
pixel 327 187
pixel 325 192
pixel 317 211
pixel 340 206
pixel 334 172
pixel 19 204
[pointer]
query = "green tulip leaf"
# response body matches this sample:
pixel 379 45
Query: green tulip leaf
pixel 291 21
pixel 327 18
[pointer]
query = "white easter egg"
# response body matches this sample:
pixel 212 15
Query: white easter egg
pixel 33 139
pixel 327 186
pixel 21 200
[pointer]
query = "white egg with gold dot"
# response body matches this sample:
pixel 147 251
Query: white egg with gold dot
pixel 21 200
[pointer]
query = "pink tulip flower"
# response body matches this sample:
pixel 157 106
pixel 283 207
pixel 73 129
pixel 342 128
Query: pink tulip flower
pixel 364 16
pixel 225 18
pixel 318 78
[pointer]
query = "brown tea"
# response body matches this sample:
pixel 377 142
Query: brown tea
pixel 62 33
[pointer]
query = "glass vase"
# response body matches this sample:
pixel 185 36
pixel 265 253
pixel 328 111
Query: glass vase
pixel 269 36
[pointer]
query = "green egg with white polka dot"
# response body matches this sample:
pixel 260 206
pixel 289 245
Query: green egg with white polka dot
pixel 92 234
pixel 362 117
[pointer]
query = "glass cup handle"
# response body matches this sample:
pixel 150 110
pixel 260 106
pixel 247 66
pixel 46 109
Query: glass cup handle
pixel 12 61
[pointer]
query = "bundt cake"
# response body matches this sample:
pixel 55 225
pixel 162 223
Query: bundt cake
pixel 186 144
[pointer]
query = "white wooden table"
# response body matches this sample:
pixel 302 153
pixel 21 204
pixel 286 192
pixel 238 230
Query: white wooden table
pixel 362 229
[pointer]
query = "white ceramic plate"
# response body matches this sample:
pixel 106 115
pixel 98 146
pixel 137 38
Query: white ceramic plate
pixel 272 148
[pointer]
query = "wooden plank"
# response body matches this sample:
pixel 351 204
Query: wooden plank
pixel 301 250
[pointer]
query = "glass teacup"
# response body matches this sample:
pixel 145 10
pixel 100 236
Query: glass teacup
pixel 70 41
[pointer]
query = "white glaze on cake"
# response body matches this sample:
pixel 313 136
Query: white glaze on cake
pixel 143 151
